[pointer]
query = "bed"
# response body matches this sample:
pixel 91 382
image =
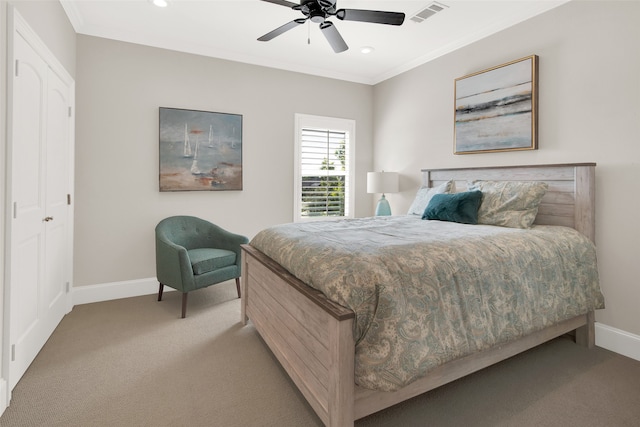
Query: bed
pixel 313 336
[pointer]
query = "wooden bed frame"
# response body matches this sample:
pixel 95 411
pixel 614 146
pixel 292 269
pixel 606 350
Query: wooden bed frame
pixel 312 336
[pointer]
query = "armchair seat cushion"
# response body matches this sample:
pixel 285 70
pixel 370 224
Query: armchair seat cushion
pixel 204 260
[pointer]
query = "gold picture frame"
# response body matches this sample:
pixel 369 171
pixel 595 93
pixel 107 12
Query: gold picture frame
pixel 497 109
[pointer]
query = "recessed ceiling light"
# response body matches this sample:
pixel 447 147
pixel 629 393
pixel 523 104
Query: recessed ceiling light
pixel 160 3
pixel 366 49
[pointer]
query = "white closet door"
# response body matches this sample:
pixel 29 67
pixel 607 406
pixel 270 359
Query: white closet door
pixel 57 190
pixel 40 168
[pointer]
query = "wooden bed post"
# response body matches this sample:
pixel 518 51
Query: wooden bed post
pixel 585 200
pixel 245 289
pixel 586 335
pixel 341 374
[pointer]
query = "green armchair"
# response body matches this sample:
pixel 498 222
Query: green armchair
pixel 192 253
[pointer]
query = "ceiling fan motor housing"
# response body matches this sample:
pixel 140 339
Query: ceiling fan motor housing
pixel 317 10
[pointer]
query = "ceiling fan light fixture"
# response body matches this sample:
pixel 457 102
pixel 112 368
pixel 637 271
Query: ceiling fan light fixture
pixel 160 3
pixel 317 16
pixel 366 49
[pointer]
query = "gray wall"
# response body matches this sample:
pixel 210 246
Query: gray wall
pixel 589 81
pixel 119 89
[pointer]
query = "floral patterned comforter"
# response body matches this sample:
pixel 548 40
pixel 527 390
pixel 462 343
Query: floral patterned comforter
pixel 427 292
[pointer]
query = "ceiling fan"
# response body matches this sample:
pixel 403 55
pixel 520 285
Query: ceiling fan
pixel 319 10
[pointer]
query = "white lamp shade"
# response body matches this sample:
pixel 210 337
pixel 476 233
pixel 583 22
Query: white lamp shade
pixel 382 182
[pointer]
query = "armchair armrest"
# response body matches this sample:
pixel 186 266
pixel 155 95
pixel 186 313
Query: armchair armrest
pixel 173 266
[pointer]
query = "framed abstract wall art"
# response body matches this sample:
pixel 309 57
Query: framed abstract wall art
pixel 200 150
pixel 497 109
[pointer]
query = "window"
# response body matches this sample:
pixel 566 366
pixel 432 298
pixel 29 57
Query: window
pixel 324 168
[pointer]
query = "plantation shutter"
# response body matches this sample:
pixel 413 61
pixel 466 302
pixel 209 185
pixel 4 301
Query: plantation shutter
pixel 324 172
pixel 324 168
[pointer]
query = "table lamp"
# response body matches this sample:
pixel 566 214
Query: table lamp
pixel 382 182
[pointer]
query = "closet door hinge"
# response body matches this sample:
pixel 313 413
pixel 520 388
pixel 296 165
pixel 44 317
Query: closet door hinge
pixel 68 199
pixel 15 210
pixel 13 352
pixel 68 287
pixel 17 66
pixel 69 111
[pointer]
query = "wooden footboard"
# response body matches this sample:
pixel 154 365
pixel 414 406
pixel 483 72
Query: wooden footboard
pixel 311 337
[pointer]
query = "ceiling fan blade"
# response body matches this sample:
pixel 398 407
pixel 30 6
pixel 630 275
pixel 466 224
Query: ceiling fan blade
pixel 284 28
pixel 333 37
pixel 283 3
pixel 375 16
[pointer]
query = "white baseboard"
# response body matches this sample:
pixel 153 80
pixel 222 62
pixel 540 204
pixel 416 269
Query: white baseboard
pixel 618 341
pixel 4 399
pixel 115 290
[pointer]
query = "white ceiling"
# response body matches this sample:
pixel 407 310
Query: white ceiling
pixel 228 29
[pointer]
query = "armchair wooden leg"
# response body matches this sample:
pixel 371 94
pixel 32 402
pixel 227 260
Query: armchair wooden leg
pixel 160 292
pixel 238 286
pixel 184 305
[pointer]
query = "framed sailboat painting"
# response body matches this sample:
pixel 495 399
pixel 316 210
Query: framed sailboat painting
pixel 200 150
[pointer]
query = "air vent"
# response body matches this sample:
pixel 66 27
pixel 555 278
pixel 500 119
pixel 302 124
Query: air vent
pixel 428 12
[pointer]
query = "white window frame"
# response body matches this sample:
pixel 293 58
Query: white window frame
pixel 304 121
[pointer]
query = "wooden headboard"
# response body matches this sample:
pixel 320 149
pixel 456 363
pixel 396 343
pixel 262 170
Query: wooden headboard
pixel 569 201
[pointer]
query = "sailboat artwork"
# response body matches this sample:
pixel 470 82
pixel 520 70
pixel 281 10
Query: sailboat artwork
pixel 233 141
pixel 210 136
pixel 187 143
pixel 194 166
pixel 189 164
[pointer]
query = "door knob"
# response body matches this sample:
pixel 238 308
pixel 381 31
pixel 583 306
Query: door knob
pixel 48 218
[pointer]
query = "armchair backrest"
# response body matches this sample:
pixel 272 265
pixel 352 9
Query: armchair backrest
pixel 188 231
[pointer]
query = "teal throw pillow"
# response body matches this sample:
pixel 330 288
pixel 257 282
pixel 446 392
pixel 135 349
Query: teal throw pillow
pixel 457 207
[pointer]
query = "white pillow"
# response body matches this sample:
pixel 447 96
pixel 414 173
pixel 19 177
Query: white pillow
pixel 425 194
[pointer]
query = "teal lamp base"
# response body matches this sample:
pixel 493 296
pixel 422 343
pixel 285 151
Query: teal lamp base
pixel 383 208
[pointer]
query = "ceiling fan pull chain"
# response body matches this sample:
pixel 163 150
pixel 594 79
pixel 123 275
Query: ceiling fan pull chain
pixel 308 32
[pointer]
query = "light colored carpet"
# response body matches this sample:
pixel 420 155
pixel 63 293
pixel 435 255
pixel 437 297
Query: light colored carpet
pixel 134 362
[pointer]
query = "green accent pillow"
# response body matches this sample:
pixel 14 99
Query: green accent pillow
pixel 457 207
pixel 509 203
